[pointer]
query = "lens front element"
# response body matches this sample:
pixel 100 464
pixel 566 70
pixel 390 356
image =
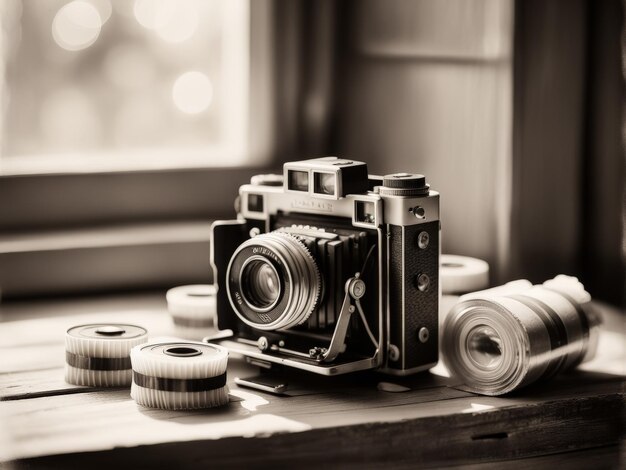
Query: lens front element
pixel 261 286
pixel 273 282
pixel 484 346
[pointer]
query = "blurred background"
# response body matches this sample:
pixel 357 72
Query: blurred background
pixel 127 126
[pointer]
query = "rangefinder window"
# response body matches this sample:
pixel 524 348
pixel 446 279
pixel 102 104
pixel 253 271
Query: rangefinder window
pixel 298 180
pixel 255 202
pixel 325 183
pixel 365 212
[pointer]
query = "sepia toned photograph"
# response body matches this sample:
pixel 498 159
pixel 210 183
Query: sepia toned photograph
pixel 267 234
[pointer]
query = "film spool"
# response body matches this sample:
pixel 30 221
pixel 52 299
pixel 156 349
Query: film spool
pixel 501 339
pixel 98 355
pixel 462 274
pixel 193 310
pixel 179 375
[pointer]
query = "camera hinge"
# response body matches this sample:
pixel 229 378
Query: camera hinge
pixel 355 289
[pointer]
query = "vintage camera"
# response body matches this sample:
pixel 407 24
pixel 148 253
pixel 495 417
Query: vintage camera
pixel 331 270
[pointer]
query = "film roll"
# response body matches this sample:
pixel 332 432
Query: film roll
pixel 461 274
pixel 508 337
pixel 179 375
pixel 98 355
pixel 193 310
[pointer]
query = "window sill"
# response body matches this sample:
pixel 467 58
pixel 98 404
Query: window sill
pixel 136 160
pixel 53 201
pixel 139 256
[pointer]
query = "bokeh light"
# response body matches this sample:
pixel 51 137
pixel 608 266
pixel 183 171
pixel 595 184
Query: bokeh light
pixel 192 92
pixel 173 21
pixel 181 25
pixel 104 8
pixel 76 25
pixel 152 14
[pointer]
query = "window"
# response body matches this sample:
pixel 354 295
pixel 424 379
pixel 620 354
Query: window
pixel 117 120
pixel 108 85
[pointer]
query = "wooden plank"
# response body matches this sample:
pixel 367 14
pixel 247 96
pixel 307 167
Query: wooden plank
pixel 511 432
pixel 611 456
pixel 602 457
pixel 31 384
pixel 104 420
pixel 108 419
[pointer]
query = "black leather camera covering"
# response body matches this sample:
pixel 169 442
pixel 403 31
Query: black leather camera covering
pixel 226 239
pixel 420 309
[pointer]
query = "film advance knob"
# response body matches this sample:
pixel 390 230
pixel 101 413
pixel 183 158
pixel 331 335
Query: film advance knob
pixel 110 330
pixel 267 180
pixel 404 184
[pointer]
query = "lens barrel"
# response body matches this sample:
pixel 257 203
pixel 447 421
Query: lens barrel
pixel 508 337
pixel 273 282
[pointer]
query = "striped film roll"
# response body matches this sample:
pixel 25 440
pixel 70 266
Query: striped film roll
pixel 504 338
pixel 98 355
pixel 179 375
pixel 193 310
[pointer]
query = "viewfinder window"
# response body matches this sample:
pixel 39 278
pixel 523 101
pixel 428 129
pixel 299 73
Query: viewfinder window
pixel 365 212
pixel 325 183
pixel 255 202
pixel 298 180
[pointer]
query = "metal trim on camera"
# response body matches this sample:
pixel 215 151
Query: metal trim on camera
pixel 298 291
pixel 367 212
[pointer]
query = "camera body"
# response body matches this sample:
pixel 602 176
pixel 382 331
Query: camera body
pixel 331 270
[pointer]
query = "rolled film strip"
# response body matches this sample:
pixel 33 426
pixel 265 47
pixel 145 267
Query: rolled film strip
pixel 98 355
pixel 179 375
pixel 501 339
pixel 193 310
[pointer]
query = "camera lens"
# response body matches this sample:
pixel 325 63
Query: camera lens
pixel 484 346
pixel 261 283
pixel 273 281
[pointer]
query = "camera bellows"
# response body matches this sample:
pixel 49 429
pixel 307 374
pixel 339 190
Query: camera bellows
pixel 193 310
pixel 98 355
pixel 179 376
pixel 504 338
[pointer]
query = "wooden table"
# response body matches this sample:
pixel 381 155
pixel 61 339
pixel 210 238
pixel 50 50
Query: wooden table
pixel 577 419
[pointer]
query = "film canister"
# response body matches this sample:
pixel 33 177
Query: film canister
pixel 98 355
pixel 179 375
